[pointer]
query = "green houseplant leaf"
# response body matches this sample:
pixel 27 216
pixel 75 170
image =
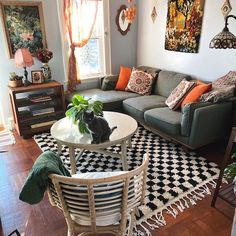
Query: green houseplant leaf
pixel 78 106
pixel 230 170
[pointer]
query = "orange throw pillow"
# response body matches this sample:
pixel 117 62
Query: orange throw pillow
pixel 124 77
pixel 196 93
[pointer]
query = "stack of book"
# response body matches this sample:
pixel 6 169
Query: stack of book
pixel 39 97
pixel 41 124
pixel 42 111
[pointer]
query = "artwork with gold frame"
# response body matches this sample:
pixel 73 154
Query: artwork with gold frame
pixel 184 23
pixel 24 26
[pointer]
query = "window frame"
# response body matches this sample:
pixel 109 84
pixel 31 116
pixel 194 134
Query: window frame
pixel 106 43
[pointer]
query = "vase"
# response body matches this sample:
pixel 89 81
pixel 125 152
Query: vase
pixel 47 76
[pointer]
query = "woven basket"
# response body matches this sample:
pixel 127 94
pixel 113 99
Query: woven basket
pixel 15 83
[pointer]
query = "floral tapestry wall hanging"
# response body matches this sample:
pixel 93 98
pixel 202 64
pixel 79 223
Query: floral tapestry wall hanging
pixel 184 22
pixel 24 26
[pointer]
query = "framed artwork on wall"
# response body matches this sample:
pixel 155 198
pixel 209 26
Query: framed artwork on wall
pixel 184 23
pixel 24 26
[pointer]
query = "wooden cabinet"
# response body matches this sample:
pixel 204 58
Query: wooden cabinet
pixel 36 107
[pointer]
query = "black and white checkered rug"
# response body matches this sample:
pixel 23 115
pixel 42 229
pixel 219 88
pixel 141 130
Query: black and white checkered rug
pixel 176 179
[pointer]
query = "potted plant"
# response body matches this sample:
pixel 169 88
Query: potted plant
pixel 15 80
pixel 78 106
pixel 230 171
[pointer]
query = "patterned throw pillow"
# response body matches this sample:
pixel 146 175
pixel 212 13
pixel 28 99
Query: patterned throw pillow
pixel 222 89
pixel 140 82
pixel 227 80
pixel 218 95
pixel 178 94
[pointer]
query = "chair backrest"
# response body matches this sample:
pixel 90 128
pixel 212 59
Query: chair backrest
pixel 99 202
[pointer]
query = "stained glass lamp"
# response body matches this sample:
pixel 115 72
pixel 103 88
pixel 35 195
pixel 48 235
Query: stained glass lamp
pixel 24 59
pixel 224 39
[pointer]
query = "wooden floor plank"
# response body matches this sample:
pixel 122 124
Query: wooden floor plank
pixel 43 219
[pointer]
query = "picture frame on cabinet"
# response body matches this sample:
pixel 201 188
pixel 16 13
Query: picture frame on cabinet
pixel 37 76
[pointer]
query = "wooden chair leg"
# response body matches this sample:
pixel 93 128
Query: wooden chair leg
pixel 132 219
pixel 223 165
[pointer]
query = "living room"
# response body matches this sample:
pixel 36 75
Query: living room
pixel 188 146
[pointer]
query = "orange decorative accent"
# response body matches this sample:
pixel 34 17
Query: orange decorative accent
pixel 130 12
pixel 196 92
pixel 124 77
pixel 80 28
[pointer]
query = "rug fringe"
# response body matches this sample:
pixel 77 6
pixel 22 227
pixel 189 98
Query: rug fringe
pixel 178 205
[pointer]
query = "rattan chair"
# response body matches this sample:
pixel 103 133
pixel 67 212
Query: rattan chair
pixel 93 205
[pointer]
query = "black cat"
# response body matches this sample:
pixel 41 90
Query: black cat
pixel 98 127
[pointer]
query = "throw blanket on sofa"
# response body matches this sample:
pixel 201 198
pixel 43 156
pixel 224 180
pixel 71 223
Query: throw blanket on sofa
pixel 37 180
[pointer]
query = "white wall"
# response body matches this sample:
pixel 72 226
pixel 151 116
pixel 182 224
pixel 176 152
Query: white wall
pixel 8 65
pixel 208 64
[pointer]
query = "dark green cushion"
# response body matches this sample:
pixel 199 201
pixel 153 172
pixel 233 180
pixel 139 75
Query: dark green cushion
pixel 167 81
pixel 164 119
pixel 109 82
pixel 137 106
pixel 150 70
pixel 112 100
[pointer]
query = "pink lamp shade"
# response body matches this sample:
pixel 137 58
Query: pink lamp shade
pixel 23 58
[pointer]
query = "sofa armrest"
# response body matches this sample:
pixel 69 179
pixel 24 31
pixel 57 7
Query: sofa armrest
pixel 108 82
pixel 210 124
pixel 187 118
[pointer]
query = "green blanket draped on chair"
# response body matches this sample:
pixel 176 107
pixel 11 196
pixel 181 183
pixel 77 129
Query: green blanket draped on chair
pixel 37 180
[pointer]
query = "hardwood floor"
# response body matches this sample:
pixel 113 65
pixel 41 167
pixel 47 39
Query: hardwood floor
pixel 43 219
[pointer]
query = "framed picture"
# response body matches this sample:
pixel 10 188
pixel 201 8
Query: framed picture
pixel 184 24
pixel 24 25
pixel 37 76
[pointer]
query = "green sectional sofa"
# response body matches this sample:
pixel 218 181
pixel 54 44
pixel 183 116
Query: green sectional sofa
pixel 198 124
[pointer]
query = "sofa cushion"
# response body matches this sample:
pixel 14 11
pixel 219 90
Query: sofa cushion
pixel 124 76
pixel 164 119
pixel 137 106
pixel 225 81
pixel 112 100
pixel 195 94
pixel 217 95
pixel 108 82
pixel 140 82
pixel 167 81
pixel 177 95
pixel 150 70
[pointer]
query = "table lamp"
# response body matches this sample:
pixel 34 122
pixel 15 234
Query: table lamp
pixel 24 59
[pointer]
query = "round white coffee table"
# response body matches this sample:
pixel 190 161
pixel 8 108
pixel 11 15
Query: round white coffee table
pixel 67 133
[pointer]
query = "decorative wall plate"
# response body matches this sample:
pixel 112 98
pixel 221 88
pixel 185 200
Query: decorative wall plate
pixel 154 14
pixel 226 8
pixel 121 22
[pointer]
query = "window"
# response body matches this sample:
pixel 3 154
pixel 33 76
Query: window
pixel 91 57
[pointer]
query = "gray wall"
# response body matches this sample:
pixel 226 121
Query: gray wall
pixel 123 48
